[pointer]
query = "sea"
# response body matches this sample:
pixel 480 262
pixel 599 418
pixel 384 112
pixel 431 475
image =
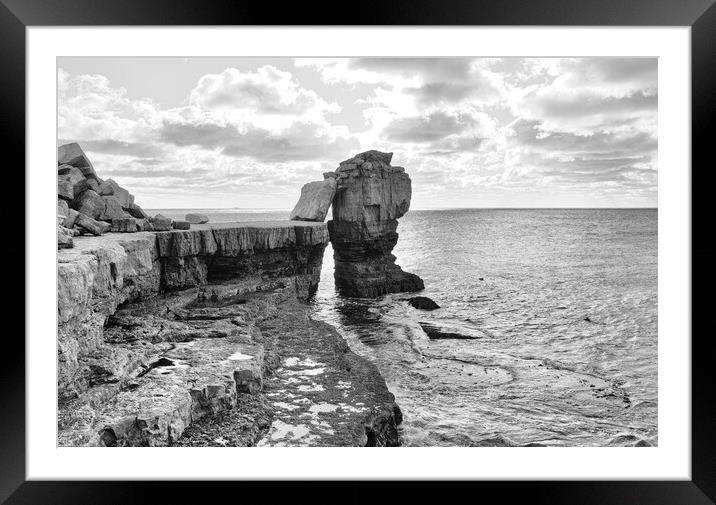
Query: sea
pixel 551 319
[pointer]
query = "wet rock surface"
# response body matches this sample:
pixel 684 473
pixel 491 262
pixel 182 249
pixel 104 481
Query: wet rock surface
pixel 371 195
pixel 321 393
pixel 423 303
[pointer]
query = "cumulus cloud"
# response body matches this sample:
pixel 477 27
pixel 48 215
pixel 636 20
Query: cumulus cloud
pixel 268 91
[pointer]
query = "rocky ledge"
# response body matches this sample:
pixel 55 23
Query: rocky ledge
pixel 170 338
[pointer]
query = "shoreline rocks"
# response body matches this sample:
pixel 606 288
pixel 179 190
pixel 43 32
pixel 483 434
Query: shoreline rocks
pixel 423 303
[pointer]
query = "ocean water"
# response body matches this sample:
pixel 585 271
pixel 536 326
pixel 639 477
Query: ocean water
pixel 558 310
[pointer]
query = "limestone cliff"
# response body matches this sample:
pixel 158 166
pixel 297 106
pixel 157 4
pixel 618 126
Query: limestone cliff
pixel 173 338
pixel 371 195
pixel 101 273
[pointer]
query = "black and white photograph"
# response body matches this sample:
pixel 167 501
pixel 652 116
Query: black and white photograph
pixel 302 252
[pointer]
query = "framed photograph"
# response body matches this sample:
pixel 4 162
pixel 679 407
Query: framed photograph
pixel 460 233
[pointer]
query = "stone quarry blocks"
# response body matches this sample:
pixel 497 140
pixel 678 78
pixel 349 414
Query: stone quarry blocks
pixel 181 225
pixel 161 223
pixel 65 189
pixel 112 209
pixel 62 208
pixel 197 218
pixel 124 225
pixel 91 225
pixel 72 154
pixel 143 224
pixel 111 188
pixel 64 238
pixel 70 218
pixel 135 210
pixel 90 204
pixel 72 181
pixel 316 198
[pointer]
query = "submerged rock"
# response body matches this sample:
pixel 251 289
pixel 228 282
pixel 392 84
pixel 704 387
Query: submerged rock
pixel 370 197
pixel 316 198
pixel 437 333
pixel 423 303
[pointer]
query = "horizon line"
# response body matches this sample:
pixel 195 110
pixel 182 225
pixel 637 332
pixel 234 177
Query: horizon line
pixel 276 209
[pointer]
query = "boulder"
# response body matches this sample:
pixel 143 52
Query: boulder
pixel 111 188
pixel 62 208
pixel 64 169
pixel 136 211
pixel 196 218
pixel 74 179
pixel 89 203
pixel 93 185
pixel 72 154
pixel 112 209
pixel 316 198
pixel 423 303
pixel 161 223
pixel 64 238
pixel 143 224
pixel 124 225
pixel 181 225
pixel 70 218
pixel 65 189
pixel 91 225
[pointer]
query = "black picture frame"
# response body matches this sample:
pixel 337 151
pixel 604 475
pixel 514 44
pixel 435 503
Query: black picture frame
pixel 700 15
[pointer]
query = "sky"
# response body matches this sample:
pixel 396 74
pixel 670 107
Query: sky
pixel 470 132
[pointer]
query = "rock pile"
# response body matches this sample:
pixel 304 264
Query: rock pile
pixel 88 205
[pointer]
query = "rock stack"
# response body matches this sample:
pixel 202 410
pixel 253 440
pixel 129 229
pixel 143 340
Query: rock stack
pixel 88 205
pixel 370 196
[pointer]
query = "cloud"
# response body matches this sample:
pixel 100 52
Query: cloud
pixel 301 141
pixel 268 91
pixel 109 146
pixel 460 126
pixel 529 133
pixel 427 128
pixel 442 68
